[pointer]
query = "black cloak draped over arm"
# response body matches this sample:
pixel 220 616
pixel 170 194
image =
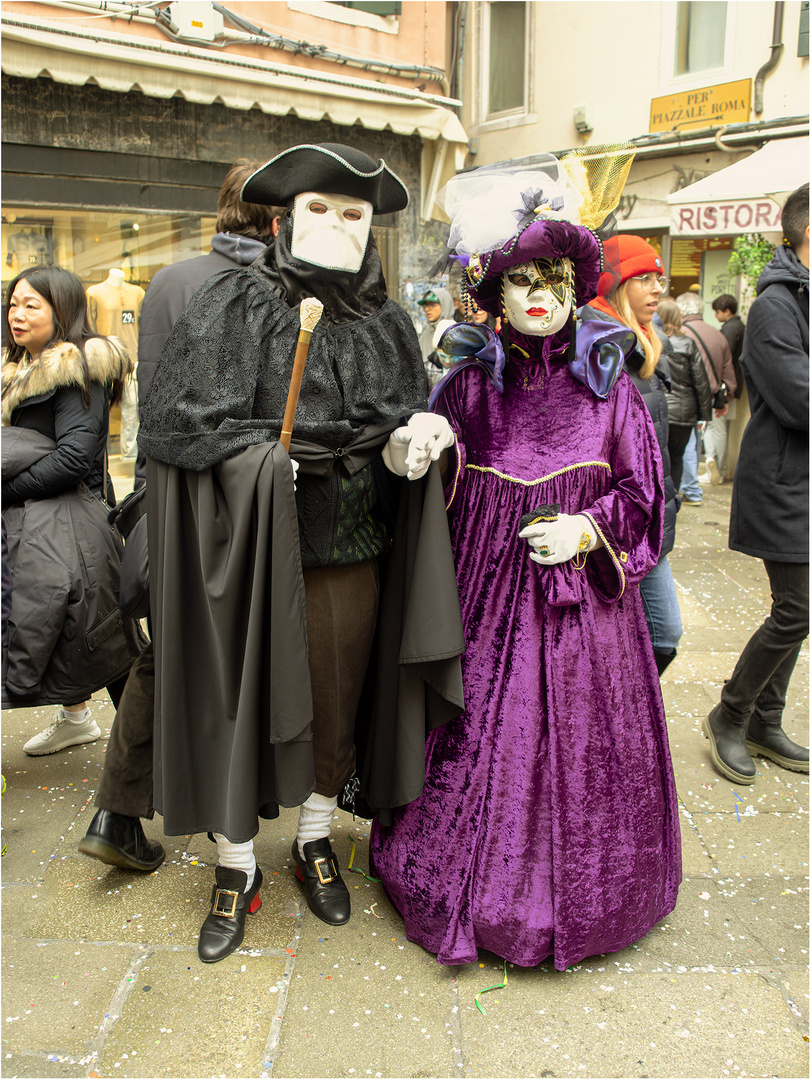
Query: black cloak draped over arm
pixel 231 677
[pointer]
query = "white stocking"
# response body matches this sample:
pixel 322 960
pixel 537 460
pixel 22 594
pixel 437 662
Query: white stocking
pixel 236 857
pixel 315 819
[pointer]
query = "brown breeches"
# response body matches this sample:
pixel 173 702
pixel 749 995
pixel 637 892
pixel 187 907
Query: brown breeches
pixel 341 617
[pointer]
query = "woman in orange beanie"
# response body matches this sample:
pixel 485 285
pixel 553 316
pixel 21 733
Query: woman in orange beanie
pixel 628 294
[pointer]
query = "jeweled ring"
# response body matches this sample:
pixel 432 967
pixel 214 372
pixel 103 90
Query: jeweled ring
pixel 543 552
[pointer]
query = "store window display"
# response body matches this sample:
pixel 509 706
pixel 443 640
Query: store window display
pixel 90 243
pixel 29 246
pixel 114 307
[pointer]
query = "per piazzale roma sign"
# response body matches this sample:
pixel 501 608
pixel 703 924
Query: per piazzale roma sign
pixel 727 103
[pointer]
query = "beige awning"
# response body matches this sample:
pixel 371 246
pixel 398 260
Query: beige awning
pixel 744 197
pixel 77 56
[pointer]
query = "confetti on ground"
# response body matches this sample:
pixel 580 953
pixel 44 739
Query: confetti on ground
pixel 495 986
pixel 356 869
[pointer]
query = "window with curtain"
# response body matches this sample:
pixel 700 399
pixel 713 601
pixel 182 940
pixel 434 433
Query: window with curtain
pixel 701 29
pixel 506 44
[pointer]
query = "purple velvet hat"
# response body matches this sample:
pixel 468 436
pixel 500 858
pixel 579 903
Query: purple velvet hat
pixel 545 239
pixel 509 213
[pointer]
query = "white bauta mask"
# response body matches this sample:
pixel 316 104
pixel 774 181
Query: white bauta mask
pixel 538 295
pixel 331 230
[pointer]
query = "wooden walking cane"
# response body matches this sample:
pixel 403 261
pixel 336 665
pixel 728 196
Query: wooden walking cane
pixel 309 313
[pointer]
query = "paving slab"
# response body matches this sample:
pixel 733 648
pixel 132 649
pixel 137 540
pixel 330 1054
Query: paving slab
pixel 56 993
pixel 594 1022
pixel 183 1018
pixel 751 846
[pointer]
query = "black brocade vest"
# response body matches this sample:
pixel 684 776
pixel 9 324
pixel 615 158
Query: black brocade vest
pixel 341 518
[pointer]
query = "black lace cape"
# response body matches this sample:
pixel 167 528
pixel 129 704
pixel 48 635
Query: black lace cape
pixel 222 381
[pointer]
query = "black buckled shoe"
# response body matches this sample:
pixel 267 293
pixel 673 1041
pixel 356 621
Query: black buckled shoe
pixel 327 894
pixel 728 747
pixel 119 840
pixel 224 928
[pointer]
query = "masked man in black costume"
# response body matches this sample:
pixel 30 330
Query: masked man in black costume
pixel 273 634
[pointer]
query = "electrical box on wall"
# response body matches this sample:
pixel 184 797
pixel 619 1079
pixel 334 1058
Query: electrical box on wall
pixel 196 21
pixel 581 119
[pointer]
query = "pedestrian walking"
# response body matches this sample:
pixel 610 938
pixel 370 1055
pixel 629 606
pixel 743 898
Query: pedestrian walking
pixel 125 795
pixel 715 353
pixel 688 400
pixel 769 514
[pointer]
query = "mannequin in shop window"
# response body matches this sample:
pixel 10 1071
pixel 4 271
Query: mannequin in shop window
pixel 114 307
pixel 28 247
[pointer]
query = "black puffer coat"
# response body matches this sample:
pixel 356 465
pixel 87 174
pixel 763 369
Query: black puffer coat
pixel 769 515
pixel 654 394
pixel 689 399
pixel 66 635
pixel 45 395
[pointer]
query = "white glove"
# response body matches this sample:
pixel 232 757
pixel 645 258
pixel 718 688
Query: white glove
pixel 411 449
pixel 294 464
pixel 557 541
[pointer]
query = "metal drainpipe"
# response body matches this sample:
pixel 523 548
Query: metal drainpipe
pixel 774 58
pixel 460 49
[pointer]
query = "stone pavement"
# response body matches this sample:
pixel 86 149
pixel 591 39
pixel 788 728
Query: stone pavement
pixel 100 975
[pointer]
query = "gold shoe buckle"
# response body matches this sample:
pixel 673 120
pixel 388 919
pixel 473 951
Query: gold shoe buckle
pixel 225 903
pixel 327 862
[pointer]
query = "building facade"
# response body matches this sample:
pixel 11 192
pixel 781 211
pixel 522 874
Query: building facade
pixel 120 121
pixel 694 86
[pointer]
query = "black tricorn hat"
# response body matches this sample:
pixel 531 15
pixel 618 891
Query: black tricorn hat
pixel 329 167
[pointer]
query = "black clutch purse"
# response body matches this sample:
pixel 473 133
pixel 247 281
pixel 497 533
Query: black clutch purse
pixel 547 512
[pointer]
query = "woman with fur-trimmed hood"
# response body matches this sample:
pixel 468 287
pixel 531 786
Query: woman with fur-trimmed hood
pixel 67 638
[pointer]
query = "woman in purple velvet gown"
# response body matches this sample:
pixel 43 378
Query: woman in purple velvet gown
pixel 548 824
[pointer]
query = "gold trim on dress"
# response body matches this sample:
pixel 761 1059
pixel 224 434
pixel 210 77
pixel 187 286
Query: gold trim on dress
pixel 616 561
pixel 541 479
pixel 458 472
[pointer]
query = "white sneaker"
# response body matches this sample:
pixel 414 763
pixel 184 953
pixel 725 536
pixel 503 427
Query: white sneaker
pixel 63 732
pixel 704 478
pixel 712 469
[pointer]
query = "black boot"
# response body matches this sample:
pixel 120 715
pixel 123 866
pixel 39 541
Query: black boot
pixel 765 738
pixel 224 928
pixel 728 747
pixel 663 658
pixel 327 895
pixel 119 841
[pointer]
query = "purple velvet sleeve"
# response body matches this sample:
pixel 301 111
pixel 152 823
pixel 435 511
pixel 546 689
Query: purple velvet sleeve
pixel 629 518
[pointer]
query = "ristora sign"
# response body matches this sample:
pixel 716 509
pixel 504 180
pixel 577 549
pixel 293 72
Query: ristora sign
pixel 727 103
pixel 724 217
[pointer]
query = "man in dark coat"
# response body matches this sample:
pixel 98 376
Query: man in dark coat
pixel 115 835
pixel 265 602
pixel 726 312
pixel 769 518
pixel 717 357
pixel 243 232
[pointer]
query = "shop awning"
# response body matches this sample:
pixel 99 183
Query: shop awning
pixel 163 69
pixel 744 197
